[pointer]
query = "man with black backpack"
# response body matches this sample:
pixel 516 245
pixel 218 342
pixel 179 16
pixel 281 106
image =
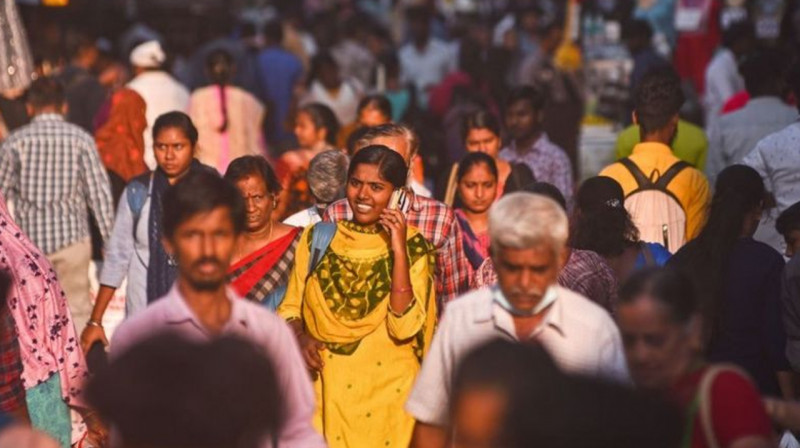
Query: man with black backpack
pixel 667 198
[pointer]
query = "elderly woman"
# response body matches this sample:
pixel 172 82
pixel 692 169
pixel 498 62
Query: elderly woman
pixel 326 176
pixel 363 308
pixel 264 255
pixel 660 320
pixel 316 128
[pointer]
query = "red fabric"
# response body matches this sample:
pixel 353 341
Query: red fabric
pixel 12 392
pixel 736 102
pixel 694 51
pixel 441 96
pixel 266 258
pixel 120 141
pixel 736 411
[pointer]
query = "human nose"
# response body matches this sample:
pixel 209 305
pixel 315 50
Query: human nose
pixel 250 205
pixel 207 246
pixel 525 280
pixel 363 193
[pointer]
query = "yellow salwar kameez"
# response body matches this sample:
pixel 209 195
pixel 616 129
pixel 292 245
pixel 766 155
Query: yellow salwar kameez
pixel 371 355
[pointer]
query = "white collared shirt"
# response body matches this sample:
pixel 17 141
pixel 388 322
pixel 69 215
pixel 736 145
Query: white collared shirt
pixel 579 335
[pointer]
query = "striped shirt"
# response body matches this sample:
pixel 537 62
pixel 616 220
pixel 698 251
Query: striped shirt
pixel 52 172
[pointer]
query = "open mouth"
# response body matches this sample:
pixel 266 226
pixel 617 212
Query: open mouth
pixel 363 208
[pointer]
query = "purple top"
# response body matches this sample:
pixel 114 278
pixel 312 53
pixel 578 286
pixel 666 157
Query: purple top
pixel 252 323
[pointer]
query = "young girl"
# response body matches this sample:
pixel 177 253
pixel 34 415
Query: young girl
pixel 316 128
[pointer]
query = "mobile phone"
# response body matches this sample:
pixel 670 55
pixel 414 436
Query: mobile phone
pixel 398 199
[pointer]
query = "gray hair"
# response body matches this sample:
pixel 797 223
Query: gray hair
pixel 389 130
pixel 327 176
pixel 525 220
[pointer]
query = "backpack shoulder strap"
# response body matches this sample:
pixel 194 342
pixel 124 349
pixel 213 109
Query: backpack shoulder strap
pixel 670 174
pixel 136 195
pixel 647 253
pixel 641 179
pixel 321 236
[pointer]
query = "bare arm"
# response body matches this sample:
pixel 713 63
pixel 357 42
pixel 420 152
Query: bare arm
pixel 428 436
pixel 401 294
pixel 94 333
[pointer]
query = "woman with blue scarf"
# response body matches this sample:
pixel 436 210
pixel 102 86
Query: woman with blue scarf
pixel 135 250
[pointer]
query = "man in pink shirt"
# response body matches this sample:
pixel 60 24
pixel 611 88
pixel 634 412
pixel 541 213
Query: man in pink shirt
pixel 202 217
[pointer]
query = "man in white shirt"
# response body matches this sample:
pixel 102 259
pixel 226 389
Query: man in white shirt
pixel 777 159
pixel 722 79
pixel 732 136
pixel 424 61
pixel 160 91
pixel 528 235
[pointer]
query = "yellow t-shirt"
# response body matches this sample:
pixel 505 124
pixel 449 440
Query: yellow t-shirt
pixel 689 186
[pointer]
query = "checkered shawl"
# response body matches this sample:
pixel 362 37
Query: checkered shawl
pixel 275 277
pixel 12 393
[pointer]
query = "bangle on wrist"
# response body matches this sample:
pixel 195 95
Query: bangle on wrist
pixel 402 290
pixel 94 323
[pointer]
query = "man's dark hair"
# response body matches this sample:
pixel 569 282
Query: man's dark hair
pixel 170 392
pixel 178 120
pixel 789 220
pixel 200 192
pixel 45 92
pixel 763 72
pixel 247 166
pixel 658 99
pixel 273 31
pixel 533 95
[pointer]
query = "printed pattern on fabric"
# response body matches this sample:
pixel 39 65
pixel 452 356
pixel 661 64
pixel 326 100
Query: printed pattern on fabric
pixel 277 276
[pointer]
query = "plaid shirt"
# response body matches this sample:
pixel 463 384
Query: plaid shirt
pixel 437 223
pixel 52 172
pixel 12 393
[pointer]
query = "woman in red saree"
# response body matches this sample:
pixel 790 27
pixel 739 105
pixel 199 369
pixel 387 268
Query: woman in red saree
pixel 265 254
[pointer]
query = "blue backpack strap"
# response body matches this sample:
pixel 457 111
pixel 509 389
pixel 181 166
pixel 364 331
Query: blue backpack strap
pixel 321 236
pixel 136 195
pixel 275 297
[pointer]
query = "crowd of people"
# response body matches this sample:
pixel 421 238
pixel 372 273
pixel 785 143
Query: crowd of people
pixel 374 231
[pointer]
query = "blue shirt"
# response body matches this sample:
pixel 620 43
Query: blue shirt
pixel 278 72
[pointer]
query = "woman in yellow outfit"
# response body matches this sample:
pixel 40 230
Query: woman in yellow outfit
pixel 365 312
